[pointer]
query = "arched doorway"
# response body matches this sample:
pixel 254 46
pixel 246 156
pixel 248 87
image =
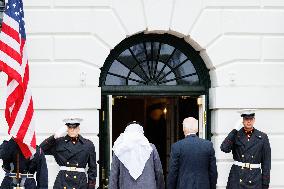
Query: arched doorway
pixel 158 80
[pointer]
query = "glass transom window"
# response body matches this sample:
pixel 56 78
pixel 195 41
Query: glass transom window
pixel 152 63
pixel 154 60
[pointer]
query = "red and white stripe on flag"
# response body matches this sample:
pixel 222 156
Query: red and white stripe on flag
pixel 13 61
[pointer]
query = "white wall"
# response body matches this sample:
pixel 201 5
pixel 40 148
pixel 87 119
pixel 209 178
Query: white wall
pixel 241 42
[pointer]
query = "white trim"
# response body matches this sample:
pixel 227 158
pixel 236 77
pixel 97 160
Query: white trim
pixel 109 97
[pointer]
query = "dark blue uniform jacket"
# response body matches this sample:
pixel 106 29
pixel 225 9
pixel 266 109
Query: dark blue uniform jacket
pixel 255 151
pixel 68 154
pixel 36 164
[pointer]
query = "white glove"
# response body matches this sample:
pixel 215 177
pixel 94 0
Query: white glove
pixel 239 124
pixel 62 131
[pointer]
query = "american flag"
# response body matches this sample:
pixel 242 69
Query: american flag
pixel 13 61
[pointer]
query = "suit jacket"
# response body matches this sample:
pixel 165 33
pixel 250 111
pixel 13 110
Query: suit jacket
pixel 192 164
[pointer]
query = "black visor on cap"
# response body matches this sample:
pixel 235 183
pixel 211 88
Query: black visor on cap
pixel 248 115
pixel 72 125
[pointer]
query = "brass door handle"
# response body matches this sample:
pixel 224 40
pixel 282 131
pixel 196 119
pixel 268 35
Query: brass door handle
pixel 105 185
pixel 105 180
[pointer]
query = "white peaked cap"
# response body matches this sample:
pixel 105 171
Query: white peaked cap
pixel 247 112
pixel 72 120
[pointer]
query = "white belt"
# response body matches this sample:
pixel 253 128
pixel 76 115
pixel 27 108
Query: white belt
pixel 247 165
pixel 75 169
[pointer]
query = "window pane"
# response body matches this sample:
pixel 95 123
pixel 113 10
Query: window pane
pixel 174 82
pixel 130 82
pixel 163 76
pixel 190 80
pixel 147 68
pixel 166 51
pixel 126 58
pixel 169 79
pixel 177 58
pixel 139 52
pixel 153 68
pixel 148 50
pixel 135 77
pixel 119 69
pixel 159 69
pixel 141 72
pixel 185 69
pixel 156 50
pixel 114 80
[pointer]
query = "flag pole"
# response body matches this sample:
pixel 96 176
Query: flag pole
pixel 18 171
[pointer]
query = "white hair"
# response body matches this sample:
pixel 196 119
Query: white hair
pixel 191 124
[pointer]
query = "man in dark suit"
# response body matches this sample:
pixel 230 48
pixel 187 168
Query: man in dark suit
pixel 192 162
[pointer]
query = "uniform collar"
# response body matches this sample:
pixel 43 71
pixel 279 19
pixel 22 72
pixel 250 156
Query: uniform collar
pixel 68 138
pixel 248 132
pixel 255 132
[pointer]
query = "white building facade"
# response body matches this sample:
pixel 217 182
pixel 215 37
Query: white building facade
pixel 241 43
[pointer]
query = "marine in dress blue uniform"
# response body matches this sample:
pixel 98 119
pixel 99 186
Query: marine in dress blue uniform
pixel 15 162
pixel 252 155
pixel 72 154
